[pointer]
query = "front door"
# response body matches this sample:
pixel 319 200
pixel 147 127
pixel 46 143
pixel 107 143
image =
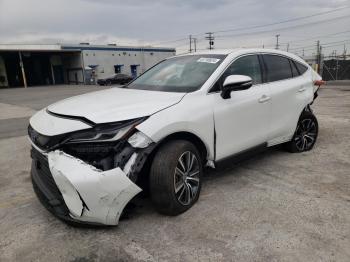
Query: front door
pixel 242 121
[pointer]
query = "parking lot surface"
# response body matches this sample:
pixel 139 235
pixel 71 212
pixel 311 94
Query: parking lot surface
pixel 275 206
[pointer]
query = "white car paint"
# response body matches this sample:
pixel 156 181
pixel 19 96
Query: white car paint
pixel 244 132
pixel 50 125
pixel 288 98
pixel 105 193
pixel 115 104
pixel 264 113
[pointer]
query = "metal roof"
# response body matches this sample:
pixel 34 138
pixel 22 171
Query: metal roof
pixel 80 47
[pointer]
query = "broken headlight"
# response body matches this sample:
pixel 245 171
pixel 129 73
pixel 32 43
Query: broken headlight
pixel 106 132
pixel 101 145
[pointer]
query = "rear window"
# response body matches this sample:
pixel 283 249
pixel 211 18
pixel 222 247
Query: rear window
pixel 301 68
pixel 278 68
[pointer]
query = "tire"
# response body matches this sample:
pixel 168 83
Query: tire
pixel 305 135
pixel 166 177
pixel 108 83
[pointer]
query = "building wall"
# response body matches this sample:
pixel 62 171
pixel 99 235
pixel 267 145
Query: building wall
pixel 73 68
pixel 107 59
pixel 69 63
pixel 3 73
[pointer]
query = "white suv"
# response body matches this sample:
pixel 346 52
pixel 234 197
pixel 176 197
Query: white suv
pixel 93 153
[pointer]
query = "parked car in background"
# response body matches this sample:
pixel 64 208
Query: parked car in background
pixel 120 79
pixel 93 153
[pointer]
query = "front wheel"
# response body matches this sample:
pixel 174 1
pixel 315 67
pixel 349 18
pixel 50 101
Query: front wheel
pixel 305 135
pixel 175 177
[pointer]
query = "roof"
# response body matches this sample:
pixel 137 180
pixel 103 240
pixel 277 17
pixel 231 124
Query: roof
pixel 80 47
pixel 29 47
pixel 238 50
pixel 241 51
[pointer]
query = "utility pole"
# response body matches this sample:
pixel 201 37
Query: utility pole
pixel 303 52
pixel 344 54
pixel 288 47
pixel 211 38
pixel 190 43
pixel 337 65
pixel 195 44
pixel 318 56
pixel 22 69
pixel 321 67
pixel 277 43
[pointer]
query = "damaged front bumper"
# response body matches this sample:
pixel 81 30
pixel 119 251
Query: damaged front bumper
pixel 78 192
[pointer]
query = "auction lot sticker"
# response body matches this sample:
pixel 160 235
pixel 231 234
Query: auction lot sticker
pixel 208 60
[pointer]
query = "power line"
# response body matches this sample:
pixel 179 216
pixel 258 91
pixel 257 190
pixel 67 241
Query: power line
pixel 283 21
pixel 285 28
pixel 336 42
pixel 340 44
pixel 316 37
pixel 313 48
pixel 323 44
pixel 261 26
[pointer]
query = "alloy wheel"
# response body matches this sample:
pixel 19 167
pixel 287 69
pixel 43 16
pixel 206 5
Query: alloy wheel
pixel 186 178
pixel 306 134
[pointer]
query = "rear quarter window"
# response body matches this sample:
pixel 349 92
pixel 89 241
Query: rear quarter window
pixel 301 68
pixel 294 68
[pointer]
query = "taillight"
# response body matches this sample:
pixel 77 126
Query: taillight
pixel 319 82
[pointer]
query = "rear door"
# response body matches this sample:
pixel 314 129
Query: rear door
pixel 289 95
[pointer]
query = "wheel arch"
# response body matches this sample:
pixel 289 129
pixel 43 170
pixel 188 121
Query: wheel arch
pixel 188 136
pixel 182 135
pixel 307 108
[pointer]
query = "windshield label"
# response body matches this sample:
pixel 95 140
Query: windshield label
pixel 208 60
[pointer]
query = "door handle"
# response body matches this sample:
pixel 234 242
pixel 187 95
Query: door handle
pixel 302 89
pixel 264 99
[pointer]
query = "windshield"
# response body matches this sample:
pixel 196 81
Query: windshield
pixel 179 74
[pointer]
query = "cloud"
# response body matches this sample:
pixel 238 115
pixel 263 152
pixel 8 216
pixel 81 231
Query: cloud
pixel 158 21
pixel 197 4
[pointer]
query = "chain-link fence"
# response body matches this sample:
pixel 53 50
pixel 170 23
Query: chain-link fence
pixel 336 69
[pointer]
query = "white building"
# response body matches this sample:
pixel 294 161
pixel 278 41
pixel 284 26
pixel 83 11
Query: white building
pixel 73 64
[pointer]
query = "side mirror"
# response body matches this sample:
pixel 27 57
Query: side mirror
pixel 235 83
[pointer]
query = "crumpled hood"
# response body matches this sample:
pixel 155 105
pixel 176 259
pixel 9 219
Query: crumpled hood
pixel 116 104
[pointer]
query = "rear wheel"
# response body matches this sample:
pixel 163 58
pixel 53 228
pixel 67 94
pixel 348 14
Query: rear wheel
pixel 305 135
pixel 175 177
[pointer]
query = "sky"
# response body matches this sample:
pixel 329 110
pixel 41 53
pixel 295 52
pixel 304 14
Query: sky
pixel 169 23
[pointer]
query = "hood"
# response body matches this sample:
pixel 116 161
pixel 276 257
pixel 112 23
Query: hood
pixel 116 104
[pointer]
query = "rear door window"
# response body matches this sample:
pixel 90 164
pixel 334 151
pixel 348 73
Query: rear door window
pixel 277 67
